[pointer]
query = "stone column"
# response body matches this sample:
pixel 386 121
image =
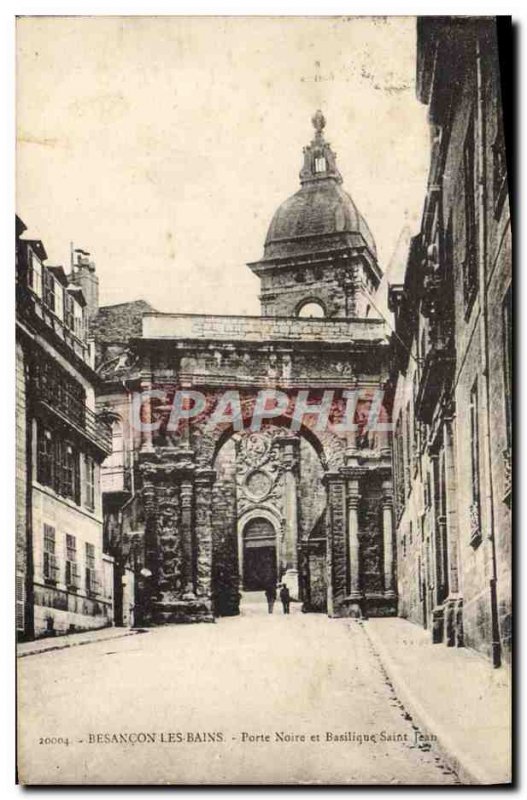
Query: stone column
pixel 387 529
pixel 354 594
pixel 336 544
pixel 168 493
pixel 146 420
pixel 148 591
pixel 204 480
pixel 186 494
pixel 290 462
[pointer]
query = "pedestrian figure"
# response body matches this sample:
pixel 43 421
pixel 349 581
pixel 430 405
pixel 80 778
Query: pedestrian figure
pixel 285 597
pixel 270 594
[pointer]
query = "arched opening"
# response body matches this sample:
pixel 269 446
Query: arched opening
pixel 259 562
pixel 268 497
pixel 311 308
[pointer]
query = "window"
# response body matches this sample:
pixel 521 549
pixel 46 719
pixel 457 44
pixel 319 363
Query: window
pixel 44 457
pixel 399 468
pixel 68 311
pixel 470 264
pixel 311 309
pixel 428 490
pixel 54 386
pixel 72 570
pixel 92 582
pixel 35 274
pixel 507 361
pixel 70 478
pixel 49 290
pixel 422 347
pixel 58 464
pixel 408 462
pixel 499 165
pixel 59 300
pixel 475 523
pixel 89 477
pixel 320 164
pixel 50 567
pixel 78 320
pixel 415 423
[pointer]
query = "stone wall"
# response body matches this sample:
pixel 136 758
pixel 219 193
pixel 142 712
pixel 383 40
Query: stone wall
pixel 225 571
pixel 311 490
pixel 58 608
pixel 255 329
pixel 371 536
pixel 341 289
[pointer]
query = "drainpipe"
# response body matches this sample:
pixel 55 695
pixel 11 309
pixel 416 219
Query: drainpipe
pixel 130 439
pixel 29 607
pixel 484 326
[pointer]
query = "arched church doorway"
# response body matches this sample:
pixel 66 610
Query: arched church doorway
pixel 268 498
pixel 259 560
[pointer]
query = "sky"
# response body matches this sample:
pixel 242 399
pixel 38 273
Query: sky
pixel 163 145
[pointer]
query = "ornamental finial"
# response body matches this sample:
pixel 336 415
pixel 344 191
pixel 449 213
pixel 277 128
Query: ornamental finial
pixel 319 121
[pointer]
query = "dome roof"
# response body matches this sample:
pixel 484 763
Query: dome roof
pixel 318 209
pixel 321 215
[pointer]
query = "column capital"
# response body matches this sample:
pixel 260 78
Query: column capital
pixel 387 493
pixel 333 477
pixel 354 471
pixel 353 501
pixel 290 447
pixel 205 476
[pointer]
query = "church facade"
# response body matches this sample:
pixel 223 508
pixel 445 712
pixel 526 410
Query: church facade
pixel 261 449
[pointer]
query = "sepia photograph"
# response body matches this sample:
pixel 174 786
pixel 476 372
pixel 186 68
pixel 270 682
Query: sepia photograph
pixel 263 388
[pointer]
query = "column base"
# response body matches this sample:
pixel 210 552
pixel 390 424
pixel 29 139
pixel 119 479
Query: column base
pixel 351 607
pixel 290 578
pixel 453 621
pixel 168 612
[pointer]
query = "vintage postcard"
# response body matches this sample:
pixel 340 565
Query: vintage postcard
pixel 263 400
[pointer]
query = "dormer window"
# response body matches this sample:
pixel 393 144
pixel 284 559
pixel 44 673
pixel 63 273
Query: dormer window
pixel 49 290
pixel 78 321
pixel 35 273
pixel 320 164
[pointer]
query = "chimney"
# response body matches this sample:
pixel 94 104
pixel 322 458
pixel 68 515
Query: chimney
pixel 83 275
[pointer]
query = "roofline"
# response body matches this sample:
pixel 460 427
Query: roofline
pixel 366 320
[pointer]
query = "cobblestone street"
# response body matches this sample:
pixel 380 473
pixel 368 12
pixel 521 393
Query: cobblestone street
pixel 294 699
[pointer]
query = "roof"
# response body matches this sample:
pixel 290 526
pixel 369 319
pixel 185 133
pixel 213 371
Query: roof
pixel 59 274
pixel 120 322
pixel 318 209
pixel 37 246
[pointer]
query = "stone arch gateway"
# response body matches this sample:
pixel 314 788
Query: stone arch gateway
pixel 327 379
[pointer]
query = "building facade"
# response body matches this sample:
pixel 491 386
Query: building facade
pixel 64 582
pixel 452 355
pixel 113 328
pixel 224 509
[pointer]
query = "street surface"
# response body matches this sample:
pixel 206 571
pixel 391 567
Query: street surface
pixel 252 699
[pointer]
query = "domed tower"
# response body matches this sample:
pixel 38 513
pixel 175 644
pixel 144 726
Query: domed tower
pixel 319 257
